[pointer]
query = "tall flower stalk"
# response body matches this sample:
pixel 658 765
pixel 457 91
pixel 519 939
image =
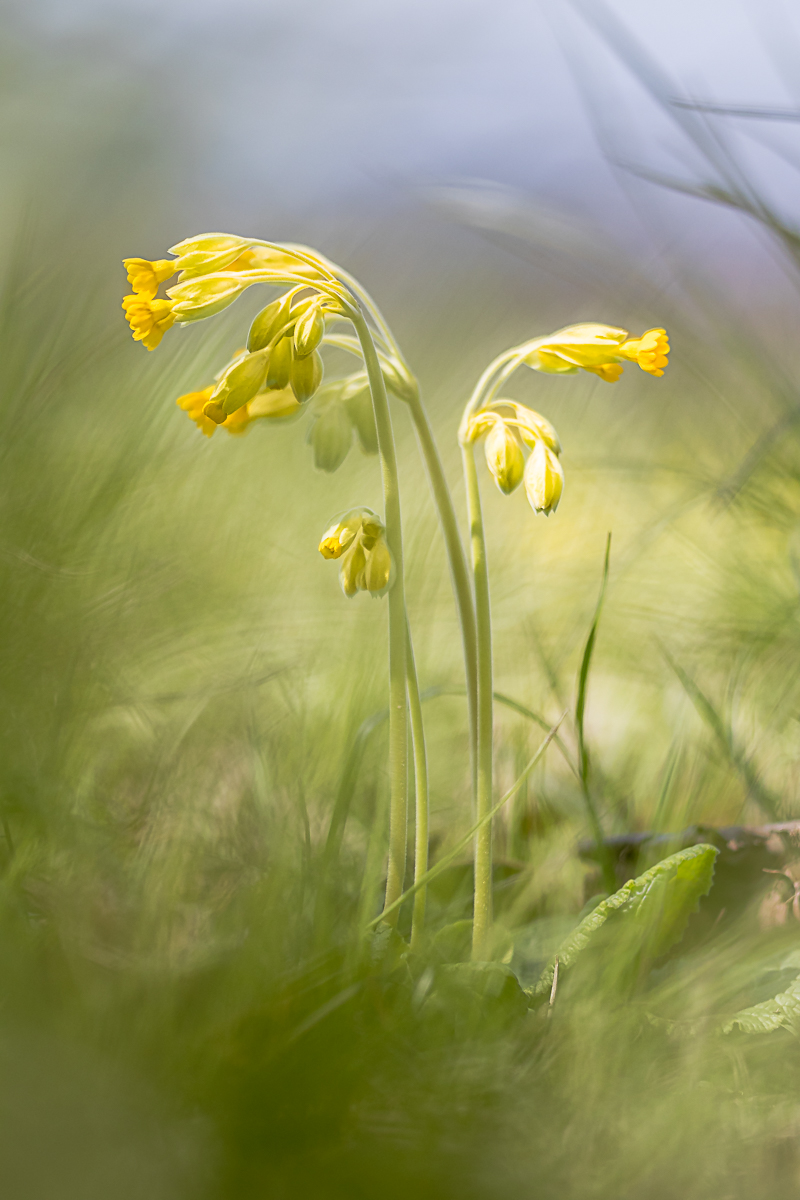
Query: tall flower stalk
pixel 282 355
pixel 280 372
pixel 406 388
pixel 510 429
pixel 398 634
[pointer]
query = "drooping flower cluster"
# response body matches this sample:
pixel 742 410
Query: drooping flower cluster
pixel 510 428
pixel 280 370
pixel 358 538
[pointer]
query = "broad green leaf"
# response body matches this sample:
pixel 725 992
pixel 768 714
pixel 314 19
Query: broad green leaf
pixel 782 1012
pixel 475 996
pixel 656 907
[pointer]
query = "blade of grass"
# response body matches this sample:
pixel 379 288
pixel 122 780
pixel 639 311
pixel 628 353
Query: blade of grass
pixel 603 852
pixel 469 835
pixel 735 755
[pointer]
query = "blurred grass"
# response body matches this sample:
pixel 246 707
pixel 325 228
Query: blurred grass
pixel 184 1012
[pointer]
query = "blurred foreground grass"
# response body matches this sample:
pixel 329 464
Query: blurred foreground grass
pixel 187 1006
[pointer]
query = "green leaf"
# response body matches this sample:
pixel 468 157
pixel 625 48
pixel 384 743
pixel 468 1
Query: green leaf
pixel 782 1012
pixel 656 908
pixel 475 997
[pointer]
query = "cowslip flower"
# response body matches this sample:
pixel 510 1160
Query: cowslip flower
pixel 357 537
pixel 145 276
pixel 149 319
pixel 265 405
pixel 600 349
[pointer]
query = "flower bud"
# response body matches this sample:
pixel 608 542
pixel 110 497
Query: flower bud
pixel 344 529
pixel 214 412
pixel 305 376
pixel 359 407
pixel 309 331
pixel 330 435
pixel 352 569
pixel 269 322
pixel 207 253
pixel 275 405
pixel 197 299
pixel 240 383
pixel 504 457
pixel 544 479
pixel 378 573
pixel 358 538
pixel 280 365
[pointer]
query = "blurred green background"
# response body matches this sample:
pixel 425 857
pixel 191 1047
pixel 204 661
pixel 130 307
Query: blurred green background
pixel 182 679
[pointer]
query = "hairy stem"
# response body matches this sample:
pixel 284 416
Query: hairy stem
pixel 482 912
pixel 421 794
pixel 398 712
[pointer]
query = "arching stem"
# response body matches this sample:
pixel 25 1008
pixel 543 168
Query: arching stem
pixel 398 712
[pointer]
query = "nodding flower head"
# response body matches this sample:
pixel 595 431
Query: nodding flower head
pixel 145 277
pixel 358 538
pixel 509 427
pixel 149 319
pixel 600 349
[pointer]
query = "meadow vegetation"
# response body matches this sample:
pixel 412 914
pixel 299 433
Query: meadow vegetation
pixel 192 1002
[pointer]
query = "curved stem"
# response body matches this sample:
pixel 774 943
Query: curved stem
pixel 459 571
pixel 398 713
pixel 487 386
pixel 420 792
pixel 482 912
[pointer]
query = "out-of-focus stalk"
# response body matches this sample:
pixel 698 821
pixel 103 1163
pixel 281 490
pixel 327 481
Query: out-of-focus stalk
pixel 420 794
pixel 482 912
pixel 398 712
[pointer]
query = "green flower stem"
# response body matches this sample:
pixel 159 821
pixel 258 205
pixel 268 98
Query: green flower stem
pixel 454 548
pixel 482 911
pixel 459 572
pixel 420 791
pixel 446 859
pixel 485 390
pixel 398 712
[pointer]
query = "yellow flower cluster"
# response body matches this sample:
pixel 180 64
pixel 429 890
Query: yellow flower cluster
pixel 600 349
pixel 510 428
pixel 282 349
pixel 358 538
